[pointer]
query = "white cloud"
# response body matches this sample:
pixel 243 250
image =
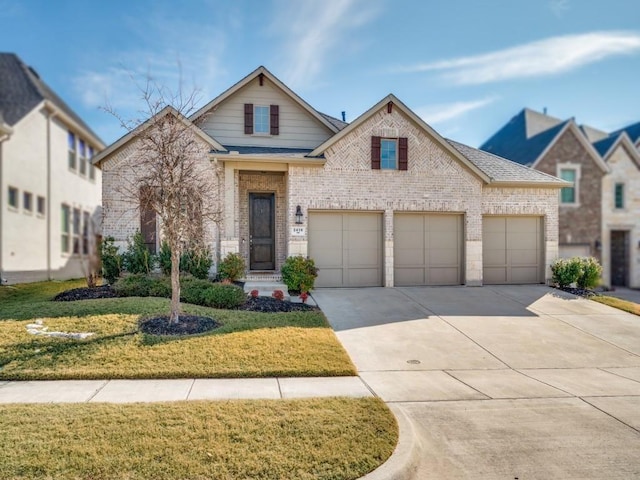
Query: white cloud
pixel 559 7
pixel 545 57
pixel 444 112
pixel 312 31
pixel 179 55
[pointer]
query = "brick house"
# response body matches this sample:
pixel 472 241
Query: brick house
pixel 50 190
pixel 382 201
pixel 599 215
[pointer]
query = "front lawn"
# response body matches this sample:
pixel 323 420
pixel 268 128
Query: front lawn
pixel 618 303
pixel 248 344
pixel 277 439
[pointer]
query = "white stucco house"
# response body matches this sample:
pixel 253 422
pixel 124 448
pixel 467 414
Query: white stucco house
pixel 51 192
pixel 382 201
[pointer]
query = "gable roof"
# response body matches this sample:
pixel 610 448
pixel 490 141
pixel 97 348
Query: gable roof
pixel 505 172
pixel 125 139
pixel 607 146
pixel 527 144
pixel 515 142
pixel 416 119
pixel 331 123
pixel 632 130
pixel 22 90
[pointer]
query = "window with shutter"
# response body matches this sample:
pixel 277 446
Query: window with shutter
pixel 248 118
pixel 148 222
pixel 389 153
pixel 275 119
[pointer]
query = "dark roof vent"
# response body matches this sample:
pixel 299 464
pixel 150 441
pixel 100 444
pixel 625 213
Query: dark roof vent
pixel 344 116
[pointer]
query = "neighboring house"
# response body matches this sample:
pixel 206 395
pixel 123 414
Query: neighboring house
pixel 600 213
pixel 51 192
pixel 382 201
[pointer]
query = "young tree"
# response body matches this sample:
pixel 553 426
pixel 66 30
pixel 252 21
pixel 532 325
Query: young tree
pixel 167 171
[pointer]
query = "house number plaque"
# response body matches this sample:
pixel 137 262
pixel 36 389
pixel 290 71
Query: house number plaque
pixel 297 231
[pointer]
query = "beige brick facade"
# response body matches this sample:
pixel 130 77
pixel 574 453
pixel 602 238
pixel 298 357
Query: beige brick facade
pixel 626 172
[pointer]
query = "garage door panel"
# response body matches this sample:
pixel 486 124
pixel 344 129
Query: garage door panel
pixel 347 248
pixel 512 250
pixel 427 249
pixel 449 257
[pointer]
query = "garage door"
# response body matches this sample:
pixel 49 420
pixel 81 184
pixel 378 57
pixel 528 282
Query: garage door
pixel 347 248
pixel 427 249
pixel 512 250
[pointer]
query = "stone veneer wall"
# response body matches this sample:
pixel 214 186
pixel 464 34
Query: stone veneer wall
pixel 623 170
pixel 580 224
pixel 434 182
pixel 254 182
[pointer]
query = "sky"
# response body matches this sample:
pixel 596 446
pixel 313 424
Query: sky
pixel 465 66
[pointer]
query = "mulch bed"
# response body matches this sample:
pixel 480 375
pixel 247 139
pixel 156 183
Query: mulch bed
pixel 258 304
pixel 104 291
pixel 580 292
pixel 187 325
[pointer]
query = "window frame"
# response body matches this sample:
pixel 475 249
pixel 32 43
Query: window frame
pixel 86 219
pixel 576 184
pixel 27 202
pixel 72 161
pixel 92 168
pixel 15 193
pixel 41 201
pixel 622 205
pixel 389 141
pixel 65 229
pixel 76 229
pixel 267 117
pixel 82 157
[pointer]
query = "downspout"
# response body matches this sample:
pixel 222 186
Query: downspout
pixel 3 136
pixel 48 212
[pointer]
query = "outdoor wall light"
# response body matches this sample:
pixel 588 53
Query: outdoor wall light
pixel 597 244
pixel 298 215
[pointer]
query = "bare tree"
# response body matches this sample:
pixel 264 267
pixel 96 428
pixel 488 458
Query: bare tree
pixel 167 171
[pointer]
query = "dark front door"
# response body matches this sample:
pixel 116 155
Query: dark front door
pixel 619 258
pixel 262 231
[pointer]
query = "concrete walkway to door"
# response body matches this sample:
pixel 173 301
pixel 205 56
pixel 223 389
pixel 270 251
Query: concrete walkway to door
pixel 501 381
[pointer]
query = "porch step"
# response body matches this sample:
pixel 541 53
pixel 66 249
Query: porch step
pixel 263 277
pixel 266 288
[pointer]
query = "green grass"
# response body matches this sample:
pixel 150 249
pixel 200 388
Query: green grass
pixel 618 303
pixel 277 439
pixel 248 344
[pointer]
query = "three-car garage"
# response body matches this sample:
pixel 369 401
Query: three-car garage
pixel 428 248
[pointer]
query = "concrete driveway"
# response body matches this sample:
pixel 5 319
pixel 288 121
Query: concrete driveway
pixel 505 382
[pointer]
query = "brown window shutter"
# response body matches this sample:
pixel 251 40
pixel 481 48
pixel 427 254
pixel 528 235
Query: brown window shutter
pixel 147 223
pixel 403 153
pixel 375 153
pixel 248 118
pixel 275 119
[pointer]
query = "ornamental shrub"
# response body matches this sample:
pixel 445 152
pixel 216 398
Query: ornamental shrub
pixel 220 295
pixel 565 271
pixel 111 260
pixel 590 272
pixel 137 258
pixel 135 285
pixel 232 267
pixel 196 263
pixel 299 273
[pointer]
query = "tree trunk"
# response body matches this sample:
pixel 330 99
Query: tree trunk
pixel 175 284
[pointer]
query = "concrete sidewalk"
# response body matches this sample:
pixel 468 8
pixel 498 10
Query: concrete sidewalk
pixel 129 391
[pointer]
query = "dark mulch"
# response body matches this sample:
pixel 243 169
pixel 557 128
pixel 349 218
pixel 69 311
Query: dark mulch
pixel 580 292
pixel 271 305
pixel 86 293
pixel 188 325
pixel 258 304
